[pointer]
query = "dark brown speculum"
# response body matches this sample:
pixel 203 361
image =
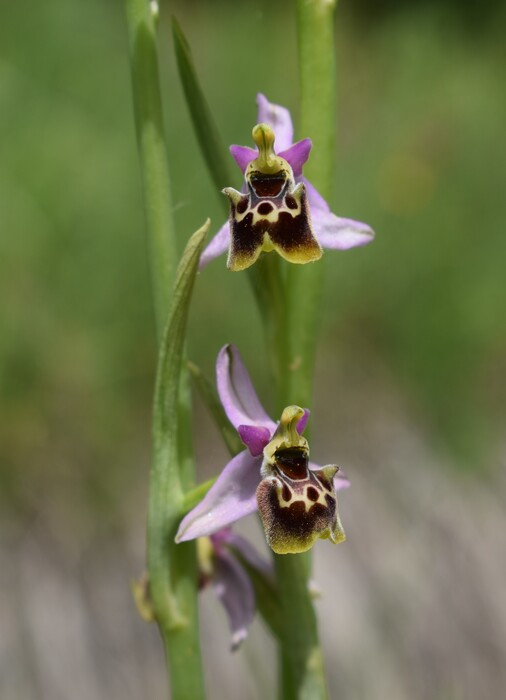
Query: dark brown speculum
pixel 267 185
pixel 293 462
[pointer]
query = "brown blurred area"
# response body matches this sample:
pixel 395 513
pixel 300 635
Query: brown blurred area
pixel 410 387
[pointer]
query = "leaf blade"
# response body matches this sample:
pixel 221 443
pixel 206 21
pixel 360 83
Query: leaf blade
pixel 208 136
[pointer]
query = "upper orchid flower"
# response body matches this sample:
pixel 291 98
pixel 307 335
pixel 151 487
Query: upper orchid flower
pixel 296 499
pixel 220 567
pixel 278 209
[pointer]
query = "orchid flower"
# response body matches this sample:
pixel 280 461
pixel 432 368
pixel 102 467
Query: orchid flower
pixel 220 568
pixel 278 209
pixel 296 499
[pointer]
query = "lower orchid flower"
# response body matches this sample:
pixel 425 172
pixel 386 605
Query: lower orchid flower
pixel 278 209
pixel 296 499
pixel 220 567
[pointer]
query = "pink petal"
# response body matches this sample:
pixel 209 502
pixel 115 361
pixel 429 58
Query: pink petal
pixel 243 155
pixel 255 437
pixel 297 155
pixel 316 201
pixel 279 118
pixel 235 591
pixel 236 391
pixel 301 425
pixel 216 247
pixel 341 481
pixel 340 234
pixel 230 498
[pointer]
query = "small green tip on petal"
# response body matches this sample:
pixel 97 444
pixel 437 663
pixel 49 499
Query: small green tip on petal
pixel 336 534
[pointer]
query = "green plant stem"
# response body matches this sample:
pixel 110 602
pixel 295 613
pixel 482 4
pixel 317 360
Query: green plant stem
pixel 267 282
pixel 301 662
pixel 171 570
pixel 152 153
pixel 315 29
pixel 301 673
pixel 182 642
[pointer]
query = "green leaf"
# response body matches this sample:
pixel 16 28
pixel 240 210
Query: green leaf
pixel 171 349
pixel 211 144
pixel 210 397
pixel 165 493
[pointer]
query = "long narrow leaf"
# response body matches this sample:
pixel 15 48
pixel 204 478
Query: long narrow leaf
pixel 211 144
pixel 171 349
pixel 165 494
pixel 219 163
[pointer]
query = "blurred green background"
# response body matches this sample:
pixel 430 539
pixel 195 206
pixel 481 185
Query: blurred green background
pixel 416 319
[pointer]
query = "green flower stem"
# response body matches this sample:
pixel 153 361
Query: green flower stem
pixel 301 662
pixel 267 282
pixel 171 570
pixel 301 672
pixel 315 27
pixel 153 154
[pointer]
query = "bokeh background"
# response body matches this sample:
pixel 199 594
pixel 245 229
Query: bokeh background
pixel 410 391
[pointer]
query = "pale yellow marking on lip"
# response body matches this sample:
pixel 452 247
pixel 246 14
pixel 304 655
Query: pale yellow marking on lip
pixel 272 217
pixel 302 497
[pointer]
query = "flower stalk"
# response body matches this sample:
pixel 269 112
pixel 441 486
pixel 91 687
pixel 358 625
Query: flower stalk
pixel 315 32
pixel 301 662
pixel 152 153
pixel 172 574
